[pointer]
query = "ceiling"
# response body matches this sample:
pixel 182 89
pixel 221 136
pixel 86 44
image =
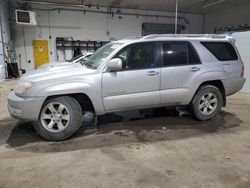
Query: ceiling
pixel 187 6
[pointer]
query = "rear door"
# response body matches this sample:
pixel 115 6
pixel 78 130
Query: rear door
pixel 180 66
pixel 137 84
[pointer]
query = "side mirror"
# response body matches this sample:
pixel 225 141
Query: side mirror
pixel 114 64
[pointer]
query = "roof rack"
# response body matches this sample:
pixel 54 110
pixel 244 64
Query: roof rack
pixel 186 35
pixel 133 37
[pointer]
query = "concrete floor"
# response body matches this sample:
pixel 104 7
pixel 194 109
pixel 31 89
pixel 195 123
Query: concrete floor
pixel 130 150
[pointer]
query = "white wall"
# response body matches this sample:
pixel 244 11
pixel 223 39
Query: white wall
pixel 91 26
pixel 234 15
pixel 243 43
pixel 6 34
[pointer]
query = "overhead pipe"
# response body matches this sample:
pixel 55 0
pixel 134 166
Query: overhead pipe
pixel 94 11
pixel 53 3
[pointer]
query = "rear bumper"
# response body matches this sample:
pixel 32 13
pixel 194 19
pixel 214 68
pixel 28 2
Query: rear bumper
pixel 24 108
pixel 236 85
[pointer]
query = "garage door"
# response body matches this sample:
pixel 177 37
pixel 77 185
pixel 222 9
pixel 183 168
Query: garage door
pixel 243 43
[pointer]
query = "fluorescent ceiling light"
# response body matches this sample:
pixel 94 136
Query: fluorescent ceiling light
pixel 213 3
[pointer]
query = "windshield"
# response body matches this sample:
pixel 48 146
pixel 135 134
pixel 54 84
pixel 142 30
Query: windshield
pixel 101 54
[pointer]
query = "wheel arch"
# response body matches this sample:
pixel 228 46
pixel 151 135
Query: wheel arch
pixel 84 93
pixel 83 99
pixel 218 84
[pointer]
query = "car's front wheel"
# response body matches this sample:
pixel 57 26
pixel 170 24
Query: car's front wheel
pixel 207 103
pixel 59 119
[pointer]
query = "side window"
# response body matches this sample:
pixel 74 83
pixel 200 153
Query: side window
pixel 138 56
pixel 124 55
pixel 223 51
pixel 175 53
pixel 193 57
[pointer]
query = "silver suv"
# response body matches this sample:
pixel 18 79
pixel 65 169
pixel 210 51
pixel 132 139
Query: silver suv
pixel 197 71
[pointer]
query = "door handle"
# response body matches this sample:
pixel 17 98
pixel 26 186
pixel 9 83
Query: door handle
pixel 152 73
pixel 194 69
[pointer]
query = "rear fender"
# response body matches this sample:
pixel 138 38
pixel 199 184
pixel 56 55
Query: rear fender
pixel 206 77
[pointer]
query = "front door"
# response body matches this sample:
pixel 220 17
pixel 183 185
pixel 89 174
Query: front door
pixel 40 50
pixel 137 84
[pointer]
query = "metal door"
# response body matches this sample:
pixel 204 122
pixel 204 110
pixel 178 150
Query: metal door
pixel 40 50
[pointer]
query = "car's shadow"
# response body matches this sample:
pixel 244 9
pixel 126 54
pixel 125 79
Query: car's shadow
pixel 124 128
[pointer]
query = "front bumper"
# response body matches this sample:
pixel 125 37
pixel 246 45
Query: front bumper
pixel 27 108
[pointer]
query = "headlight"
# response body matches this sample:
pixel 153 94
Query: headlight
pixel 23 87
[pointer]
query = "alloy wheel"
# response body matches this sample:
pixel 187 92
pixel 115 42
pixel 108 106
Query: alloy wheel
pixel 55 117
pixel 208 103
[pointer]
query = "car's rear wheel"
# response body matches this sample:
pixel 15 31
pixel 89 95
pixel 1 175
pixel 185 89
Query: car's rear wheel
pixel 207 103
pixel 59 119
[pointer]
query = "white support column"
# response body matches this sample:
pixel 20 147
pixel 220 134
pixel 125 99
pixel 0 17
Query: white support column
pixel 176 17
pixel 2 58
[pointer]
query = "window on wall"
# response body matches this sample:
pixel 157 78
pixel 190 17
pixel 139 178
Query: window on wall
pixel 223 51
pixel 138 56
pixel 179 53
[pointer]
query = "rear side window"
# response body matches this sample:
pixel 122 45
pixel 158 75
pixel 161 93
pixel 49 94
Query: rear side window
pixel 223 51
pixel 192 55
pixel 175 54
pixel 179 53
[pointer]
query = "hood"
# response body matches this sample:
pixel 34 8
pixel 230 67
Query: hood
pixel 55 63
pixel 66 71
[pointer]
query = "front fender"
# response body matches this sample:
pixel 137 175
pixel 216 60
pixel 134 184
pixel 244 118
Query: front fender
pixel 72 88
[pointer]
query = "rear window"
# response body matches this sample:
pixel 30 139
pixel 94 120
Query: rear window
pixel 223 51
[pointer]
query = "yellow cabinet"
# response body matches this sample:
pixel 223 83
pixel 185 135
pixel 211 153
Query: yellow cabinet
pixel 41 52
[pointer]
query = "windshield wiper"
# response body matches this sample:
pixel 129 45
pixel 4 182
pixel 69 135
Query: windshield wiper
pixel 87 65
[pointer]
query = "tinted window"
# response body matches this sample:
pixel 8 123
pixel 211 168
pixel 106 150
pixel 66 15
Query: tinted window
pixel 223 51
pixel 175 53
pixel 192 55
pixel 138 56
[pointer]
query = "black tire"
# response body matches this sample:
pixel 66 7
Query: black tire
pixel 194 105
pixel 73 110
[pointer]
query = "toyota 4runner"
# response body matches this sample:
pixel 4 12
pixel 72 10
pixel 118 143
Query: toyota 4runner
pixel 198 71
